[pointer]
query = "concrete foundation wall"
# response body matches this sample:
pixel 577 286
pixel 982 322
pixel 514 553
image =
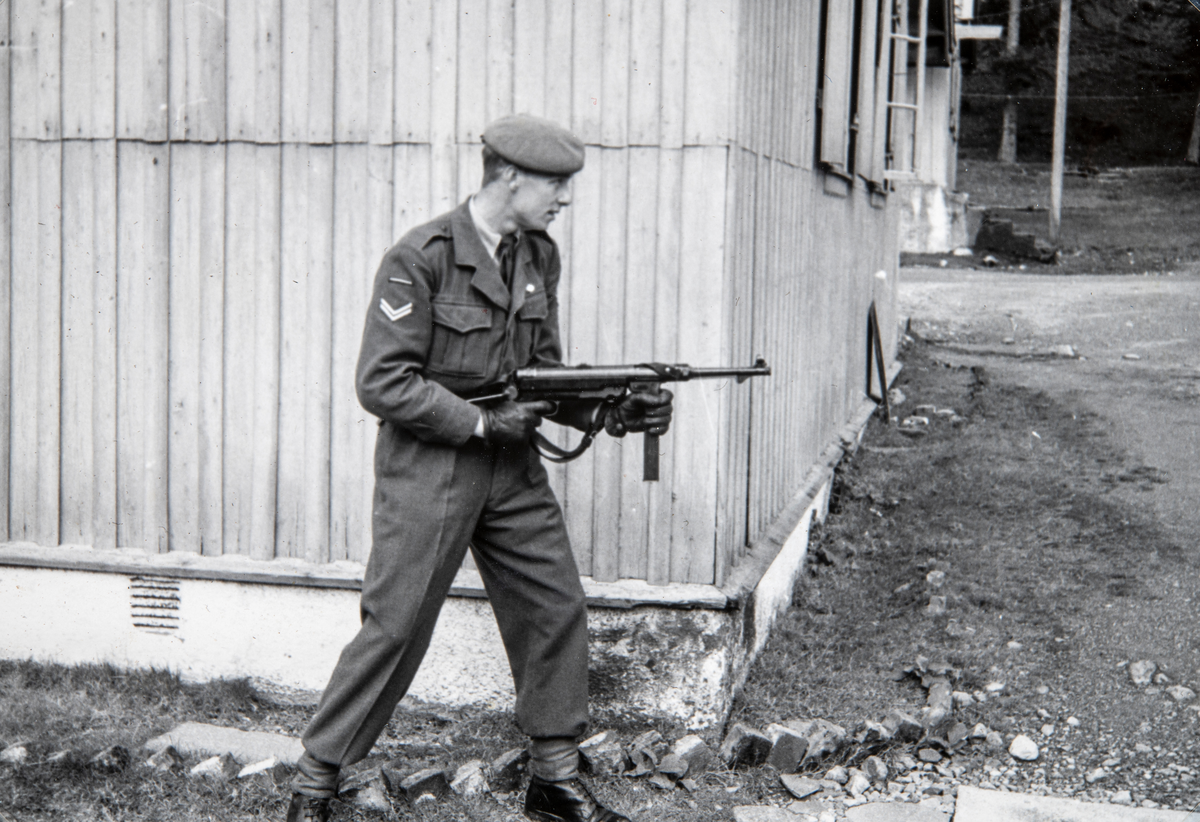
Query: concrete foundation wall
pixel 932 219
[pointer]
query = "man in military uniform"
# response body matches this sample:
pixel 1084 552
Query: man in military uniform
pixel 458 304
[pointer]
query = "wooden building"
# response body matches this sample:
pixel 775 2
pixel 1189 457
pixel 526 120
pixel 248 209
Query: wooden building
pixel 199 194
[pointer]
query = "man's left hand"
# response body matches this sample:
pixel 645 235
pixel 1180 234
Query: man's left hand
pixel 641 411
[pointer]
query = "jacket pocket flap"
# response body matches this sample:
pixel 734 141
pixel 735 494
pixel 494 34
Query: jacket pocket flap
pixel 462 317
pixel 535 308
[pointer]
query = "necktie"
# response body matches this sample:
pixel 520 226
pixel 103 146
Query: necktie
pixel 506 258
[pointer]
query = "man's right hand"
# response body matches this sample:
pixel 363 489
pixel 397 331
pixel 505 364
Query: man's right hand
pixel 512 423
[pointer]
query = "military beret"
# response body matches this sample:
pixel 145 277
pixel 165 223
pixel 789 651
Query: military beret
pixel 535 144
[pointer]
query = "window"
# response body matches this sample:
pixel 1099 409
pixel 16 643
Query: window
pixel 852 87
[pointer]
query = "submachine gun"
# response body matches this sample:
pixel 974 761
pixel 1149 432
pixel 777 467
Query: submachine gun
pixel 609 384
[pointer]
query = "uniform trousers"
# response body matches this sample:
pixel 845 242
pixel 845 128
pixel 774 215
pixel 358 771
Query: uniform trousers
pixel 431 502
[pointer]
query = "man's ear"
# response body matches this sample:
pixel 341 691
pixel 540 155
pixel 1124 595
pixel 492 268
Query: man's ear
pixel 511 177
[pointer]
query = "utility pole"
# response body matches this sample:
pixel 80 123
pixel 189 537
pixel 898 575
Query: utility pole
pixel 1193 154
pixel 1060 119
pixel 1008 136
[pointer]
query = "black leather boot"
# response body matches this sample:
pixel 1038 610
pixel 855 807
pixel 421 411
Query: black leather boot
pixel 568 801
pixel 308 809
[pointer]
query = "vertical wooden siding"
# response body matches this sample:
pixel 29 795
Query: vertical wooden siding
pixel 803 269
pixel 200 194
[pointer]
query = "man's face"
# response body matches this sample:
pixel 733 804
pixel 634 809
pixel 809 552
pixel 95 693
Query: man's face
pixel 538 198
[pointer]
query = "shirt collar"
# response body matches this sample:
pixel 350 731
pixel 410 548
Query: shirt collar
pixel 490 239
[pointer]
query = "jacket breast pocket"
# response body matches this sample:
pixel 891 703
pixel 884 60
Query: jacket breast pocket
pixel 460 339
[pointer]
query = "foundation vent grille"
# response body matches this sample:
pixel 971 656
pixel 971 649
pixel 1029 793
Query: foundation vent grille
pixel 154 603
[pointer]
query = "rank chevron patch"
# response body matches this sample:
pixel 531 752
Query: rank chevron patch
pixel 394 314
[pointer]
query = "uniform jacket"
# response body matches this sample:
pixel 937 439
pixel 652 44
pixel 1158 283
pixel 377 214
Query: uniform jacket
pixel 442 323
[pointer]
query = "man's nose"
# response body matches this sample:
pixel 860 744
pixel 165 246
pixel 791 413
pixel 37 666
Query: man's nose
pixel 564 196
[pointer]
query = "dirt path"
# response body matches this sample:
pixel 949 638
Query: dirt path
pixel 1151 404
pixel 1136 375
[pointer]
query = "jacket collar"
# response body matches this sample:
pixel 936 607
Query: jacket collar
pixel 470 253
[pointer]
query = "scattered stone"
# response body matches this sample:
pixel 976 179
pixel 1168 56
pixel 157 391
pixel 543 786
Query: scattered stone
pixel 602 754
pixel 903 726
pixel 696 753
pixel 799 786
pixel 838 774
pixel 1122 798
pixel 662 781
pixel 1131 356
pixel 823 737
pixel 956 735
pixel 414 786
pixel 940 709
pixel 980 731
pixel 872 733
pixel 14 755
pixel 858 783
pixel 1013 645
pixel 470 778
pixel 1161 678
pixel 271 765
pixel 1073 722
pixel 506 771
pixel 200 739
pixel 744 747
pixel 935 579
pixel 673 766
pixel 925 409
pixel 990 261
pixel 929 755
pixel 1047 730
pixel 787 748
pixel 365 789
pixel 1181 693
pixel 896 397
pixel 216 767
pixel 936 606
pixel 994 687
pixel 914 421
pixel 1142 747
pixel 962 251
pixel 1095 775
pixel 644 762
pixel 1023 748
pixel 1142 671
pixel 651 741
pixel 875 769
pixel 957 630
pixel 690 785
pixel 962 699
pixel 995 741
pixel 1111 762
pixel 168 759
pixel 1065 351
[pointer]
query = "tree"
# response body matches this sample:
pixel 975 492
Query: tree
pixel 1008 137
